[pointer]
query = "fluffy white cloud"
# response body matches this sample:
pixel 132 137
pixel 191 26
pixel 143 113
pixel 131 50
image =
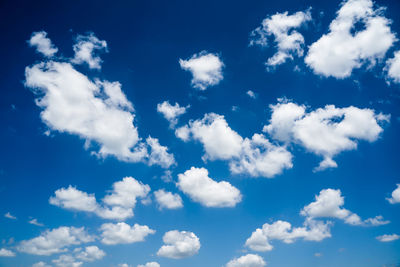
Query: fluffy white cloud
pixel 179 244
pixel 90 253
pixel 325 131
pixel 6 253
pixel 346 47
pixel 150 264
pixel 171 112
pixel 395 196
pixel 168 200
pixel 393 67
pixel 388 238
pixel 67 261
pixel 84 50
pixel 312 230
pixel 42 43
pixel 282 27
pixel 328 204
pixel 117 205
pixel 55 241
pixel 97 111
pixel 159 154
pixel 249 260
pixel 201 188
pixel 251 94
pixel 206 69
pixel 254 157
pixel 122 233
pixel 8 215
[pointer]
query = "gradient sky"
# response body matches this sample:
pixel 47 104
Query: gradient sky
pixel 330 67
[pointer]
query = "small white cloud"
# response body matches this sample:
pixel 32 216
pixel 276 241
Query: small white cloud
pixel 6 253
pixel 251 94
pixel 201 188
pixel 395 196
pixel 122 233
pixel 84 50
pixel 159 154
pixel 167 200
pixel 282 27
pixel 150 264
pixel 40 264
pixel 318 254
pixel 55 241
pixel 42 43
pixel 90 253
pixel 388 238
pixel 393 68
pixel 67 261
pixel 34 221
pixel 171 112
pixel 345 47
pixel 8 215
pixel 179 244
pixel 206 69
pixel 249 260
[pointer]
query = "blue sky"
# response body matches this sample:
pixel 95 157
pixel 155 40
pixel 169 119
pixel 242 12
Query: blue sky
pixel 200 134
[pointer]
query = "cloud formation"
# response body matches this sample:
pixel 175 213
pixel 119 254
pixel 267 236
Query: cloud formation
pixel 84 50
pixel 171 112
pixel 179 244
pixel 168 200
pixel 42 44
pixel 122 233
pixel 388 238
pixel 395 196
pixel 249 260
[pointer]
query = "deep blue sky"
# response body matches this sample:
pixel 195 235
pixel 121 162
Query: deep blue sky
pixel 146 39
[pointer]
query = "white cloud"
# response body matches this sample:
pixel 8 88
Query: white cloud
pixel 168 200
pixel 345 47
pixel 84 50
pixel 312 230
pixel 206 69
pixel 249 260
pixel 393 68
pixel 201 188
pixel 34 221
pixel 251 94
pixel 328 204
pixel 150 264
pixel 42 43
pixel 122 233
pixel 6 253
pixel 282 27
pixel 254 157
pixel 117 205
pixel 8 215
pixel 388 238
pixel 395 196
pixel 90 253
pixel 67 261
pixel 171 112
pixel 40 264
pixel 159 154
pixel 179 245
pixel 325 131
pixel 97 111
pixel 55 240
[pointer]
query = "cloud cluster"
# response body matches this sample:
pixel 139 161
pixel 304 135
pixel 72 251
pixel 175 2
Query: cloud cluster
pixel 282 27
pixel 325 131
pixel 201 188
pixel 171 112
pixel 206 69
pixel 346 47
pixel 179 244
pixel 256 157
pixel 249 260
pixel 97 111
pixel 117 205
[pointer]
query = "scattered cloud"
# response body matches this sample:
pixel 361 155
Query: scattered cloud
pixel 122 233
pixel 34 221
pixel 325 131
pixel 206 69
pixel 90 253
pixel 84 50
pixel 249 260
pixel 179 244
pixel 168 200
pixel 150 264
pixel 42 44
pixel 346 47
pixel 40 264
pixel 395 196
pixel 8 215
pixel 55 240
pixel 393 68
pixel 201 188
pixel 388 238
pixel 159 154
pixel 171 112
pixel 6 253
pixel 282 27
pixel 251 94
pixel 67 261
